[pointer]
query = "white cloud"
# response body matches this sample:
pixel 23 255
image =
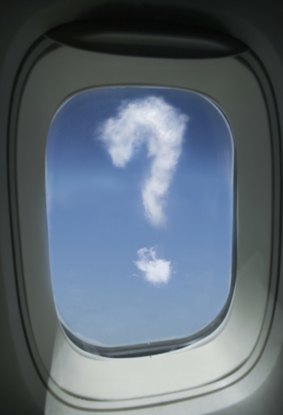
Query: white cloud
pixel 155 270
pixel 152 121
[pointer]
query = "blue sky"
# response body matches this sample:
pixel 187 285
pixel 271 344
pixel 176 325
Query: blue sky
pixel 140 213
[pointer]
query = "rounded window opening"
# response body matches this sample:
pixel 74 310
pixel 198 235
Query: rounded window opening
pixel 140 209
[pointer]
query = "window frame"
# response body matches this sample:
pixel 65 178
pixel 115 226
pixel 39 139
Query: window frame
pixel 52 346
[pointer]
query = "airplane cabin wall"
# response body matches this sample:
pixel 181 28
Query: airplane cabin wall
pixel 258 24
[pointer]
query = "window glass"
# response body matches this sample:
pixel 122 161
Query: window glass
pixel 140 187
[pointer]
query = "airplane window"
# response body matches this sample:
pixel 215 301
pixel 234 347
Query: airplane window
pixel 140 195
pixel 140 173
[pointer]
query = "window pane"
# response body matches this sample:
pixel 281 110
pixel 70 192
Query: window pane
pixel 140 214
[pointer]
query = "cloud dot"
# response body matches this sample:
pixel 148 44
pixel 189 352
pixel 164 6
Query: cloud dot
pixel 155 270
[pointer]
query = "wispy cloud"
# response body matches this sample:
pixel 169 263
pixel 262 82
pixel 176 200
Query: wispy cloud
pixel 152 121
pixel 154 269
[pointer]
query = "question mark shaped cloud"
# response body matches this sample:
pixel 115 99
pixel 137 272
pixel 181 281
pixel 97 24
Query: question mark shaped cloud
pixel 161 127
